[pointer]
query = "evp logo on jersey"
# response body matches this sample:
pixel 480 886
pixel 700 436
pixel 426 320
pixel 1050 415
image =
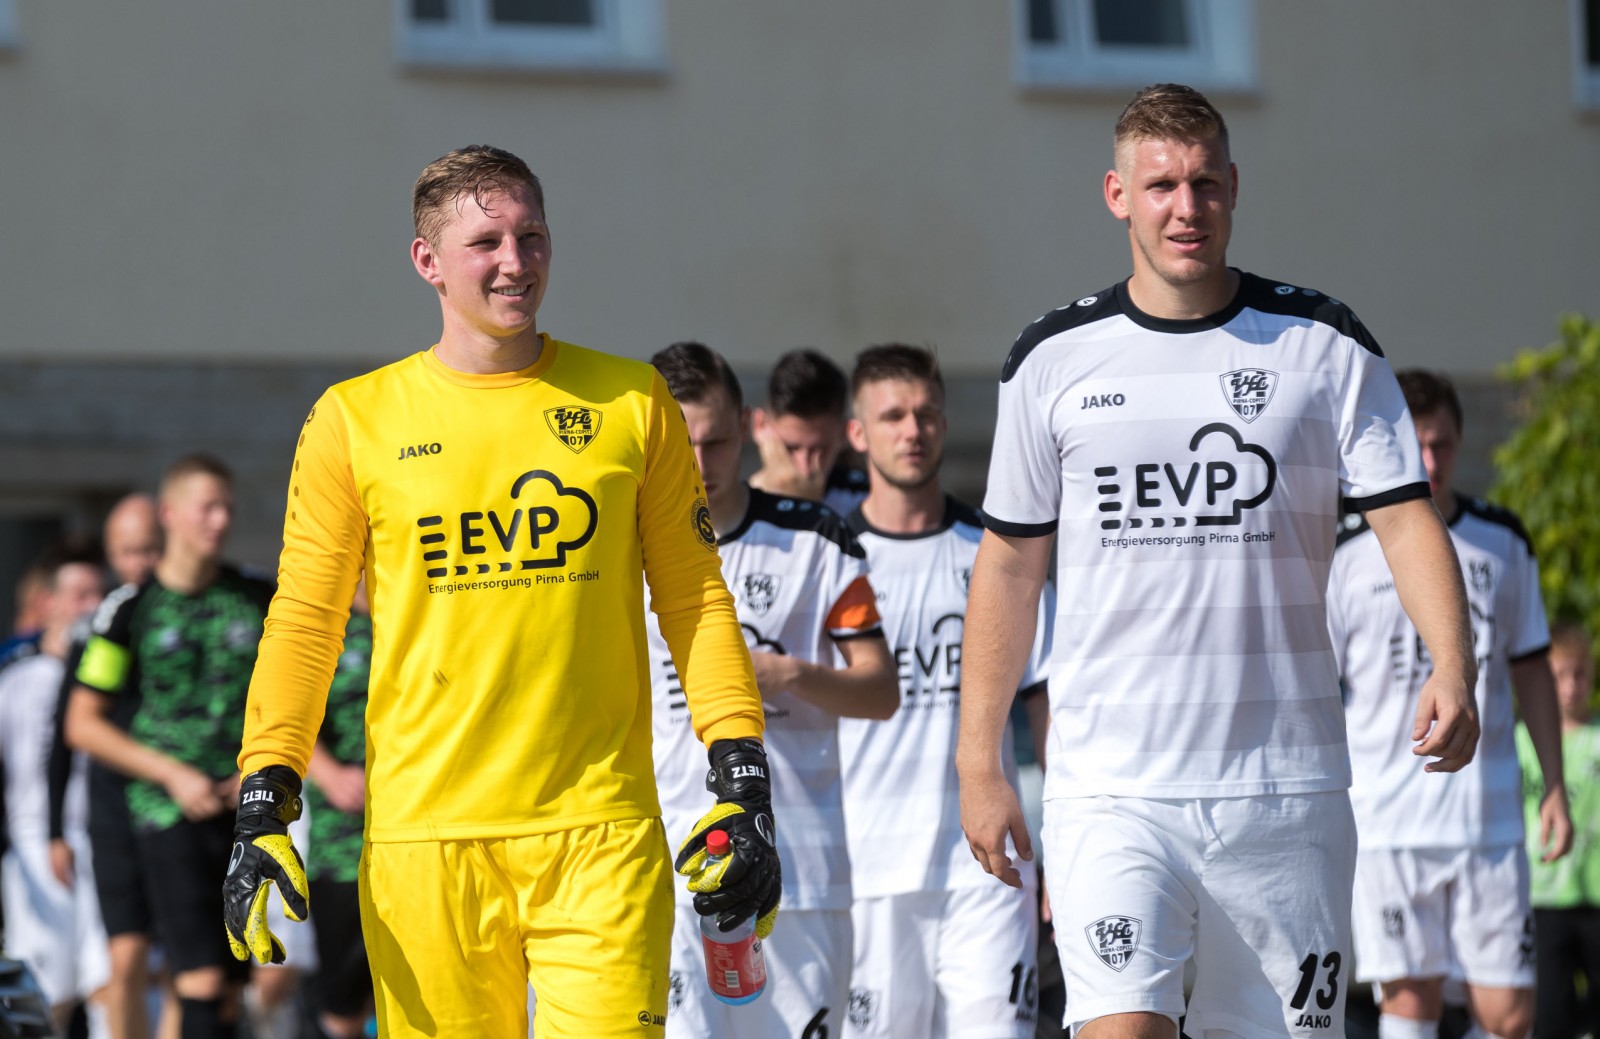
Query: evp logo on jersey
pixel 541 522
pixel 934 679
pixel 574 426
pixel 1248 391
pixel 1211 490
pixel 1114 939
pixel 760 591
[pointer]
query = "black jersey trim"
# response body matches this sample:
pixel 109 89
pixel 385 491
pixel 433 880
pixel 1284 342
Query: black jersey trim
pixel 1017 530
pixel 954 512
pixel 1274 297
pixel 1496 514
pixel 1184 326
pixel 1087 310
pixel 864 633
pixel 848 478
pixel 1532 654
pixel 796 514
pixel 1352 526
pixel 1392 497
pixel 1036 689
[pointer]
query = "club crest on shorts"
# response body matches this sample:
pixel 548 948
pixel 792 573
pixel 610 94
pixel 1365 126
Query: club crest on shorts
pixel 1394 922
pixel 760 591
pixel 1114 939
pixel 677 986
pixel 863 1007
pixel 1248 391
pixel 573 426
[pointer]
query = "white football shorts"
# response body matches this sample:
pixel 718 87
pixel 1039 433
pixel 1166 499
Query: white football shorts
pixel 1433 912
pixel 961 964
pixel 1255 889
pixel 808 980
pixel 54 929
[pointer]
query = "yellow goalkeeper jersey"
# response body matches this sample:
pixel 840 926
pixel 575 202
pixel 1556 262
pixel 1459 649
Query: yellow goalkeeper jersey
pixel 508 524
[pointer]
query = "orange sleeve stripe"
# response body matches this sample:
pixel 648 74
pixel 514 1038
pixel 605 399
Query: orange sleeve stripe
pixel 856 609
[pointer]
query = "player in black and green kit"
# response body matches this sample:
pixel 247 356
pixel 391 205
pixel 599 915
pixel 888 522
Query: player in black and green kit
pixel 336 803
pixel 183 644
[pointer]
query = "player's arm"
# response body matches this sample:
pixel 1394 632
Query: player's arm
pixel 1427 577
pixel 1002 610
pixel 90 730
pixel 1541 716
pixel 58 771
pixel 345 786
pixel 865 687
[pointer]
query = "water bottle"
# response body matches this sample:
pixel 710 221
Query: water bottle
pixel 735 968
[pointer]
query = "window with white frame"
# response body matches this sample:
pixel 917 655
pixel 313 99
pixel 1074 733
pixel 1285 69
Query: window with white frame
pixel 1586 51
pixel 1116 44
pixel 538 35
pixel 8 25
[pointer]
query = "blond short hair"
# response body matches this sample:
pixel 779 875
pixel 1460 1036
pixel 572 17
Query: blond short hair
pixel 470 172
pixel 1169 112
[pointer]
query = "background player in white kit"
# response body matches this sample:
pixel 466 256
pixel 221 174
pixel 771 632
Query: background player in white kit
pixel 1183 438
pixel 941 949
pixel 1442 875
pixel 54 926
pixel 799 580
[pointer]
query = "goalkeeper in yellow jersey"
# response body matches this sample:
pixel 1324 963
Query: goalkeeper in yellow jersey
pixel 509 497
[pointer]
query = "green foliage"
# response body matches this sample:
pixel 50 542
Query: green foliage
pixel 1549 471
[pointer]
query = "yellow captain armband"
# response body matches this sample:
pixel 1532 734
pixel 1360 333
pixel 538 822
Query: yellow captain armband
pixel 104 665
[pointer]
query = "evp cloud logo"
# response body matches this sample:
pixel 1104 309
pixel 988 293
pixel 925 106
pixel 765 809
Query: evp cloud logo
pixel 1208 491
pixel 541 522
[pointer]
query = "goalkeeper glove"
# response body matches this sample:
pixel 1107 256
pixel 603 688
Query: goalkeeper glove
pixel 748 880
pixel 263 854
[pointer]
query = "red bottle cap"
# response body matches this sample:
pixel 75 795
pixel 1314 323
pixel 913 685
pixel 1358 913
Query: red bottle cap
pixel 717 843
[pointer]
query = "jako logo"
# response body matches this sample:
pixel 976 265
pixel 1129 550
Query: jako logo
pixel 1154 482
pixel 543 522
pixel 418 451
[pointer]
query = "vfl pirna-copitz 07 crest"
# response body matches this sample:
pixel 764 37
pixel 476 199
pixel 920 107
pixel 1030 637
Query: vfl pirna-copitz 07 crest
pixel 1248 391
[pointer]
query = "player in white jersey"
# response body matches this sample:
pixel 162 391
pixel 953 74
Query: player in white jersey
pixel 799 579
pixel 941 949
pixel 51 912
pixel 1442 875
pixel 1181 440
pixel 800 434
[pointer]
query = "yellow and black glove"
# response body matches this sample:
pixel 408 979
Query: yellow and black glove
pixel 263 854
pixel 748 881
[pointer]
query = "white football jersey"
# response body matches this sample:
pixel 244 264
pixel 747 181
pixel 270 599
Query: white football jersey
pixel 902 803
pixel 799 580
pixel 29 690
pixel 1384 664
pixel 1192 471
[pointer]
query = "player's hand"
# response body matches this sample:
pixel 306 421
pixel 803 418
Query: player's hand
pixel 1446 723
pixel 1555 823
pixel 345 787
pixel 61 861
pixel 779 472
pixel 194 792
pixel 990 812
pixel 748 881
pixel 263 854
pixel 775 672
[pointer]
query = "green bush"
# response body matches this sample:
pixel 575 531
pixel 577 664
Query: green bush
pixel 1549 471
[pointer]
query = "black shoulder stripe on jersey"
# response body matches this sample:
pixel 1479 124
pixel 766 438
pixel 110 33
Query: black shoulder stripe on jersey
pixel 1102 304
pixel 1498 515
pixel 847 478
pixel 1352 526
pixel 864 633
pixel 1393 497
pixel 1017 530
pixel 1273 297
pixel 799 514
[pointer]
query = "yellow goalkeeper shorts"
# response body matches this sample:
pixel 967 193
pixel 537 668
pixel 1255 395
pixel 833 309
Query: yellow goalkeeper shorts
pixel 456 931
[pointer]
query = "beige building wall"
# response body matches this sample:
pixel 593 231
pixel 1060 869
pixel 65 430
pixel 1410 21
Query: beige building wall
pixel 190 179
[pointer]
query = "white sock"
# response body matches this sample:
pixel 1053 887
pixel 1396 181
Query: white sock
pixel 99 1020
pixel 1392 1026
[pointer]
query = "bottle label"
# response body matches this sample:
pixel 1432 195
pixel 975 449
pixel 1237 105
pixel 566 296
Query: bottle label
pixel 735 970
